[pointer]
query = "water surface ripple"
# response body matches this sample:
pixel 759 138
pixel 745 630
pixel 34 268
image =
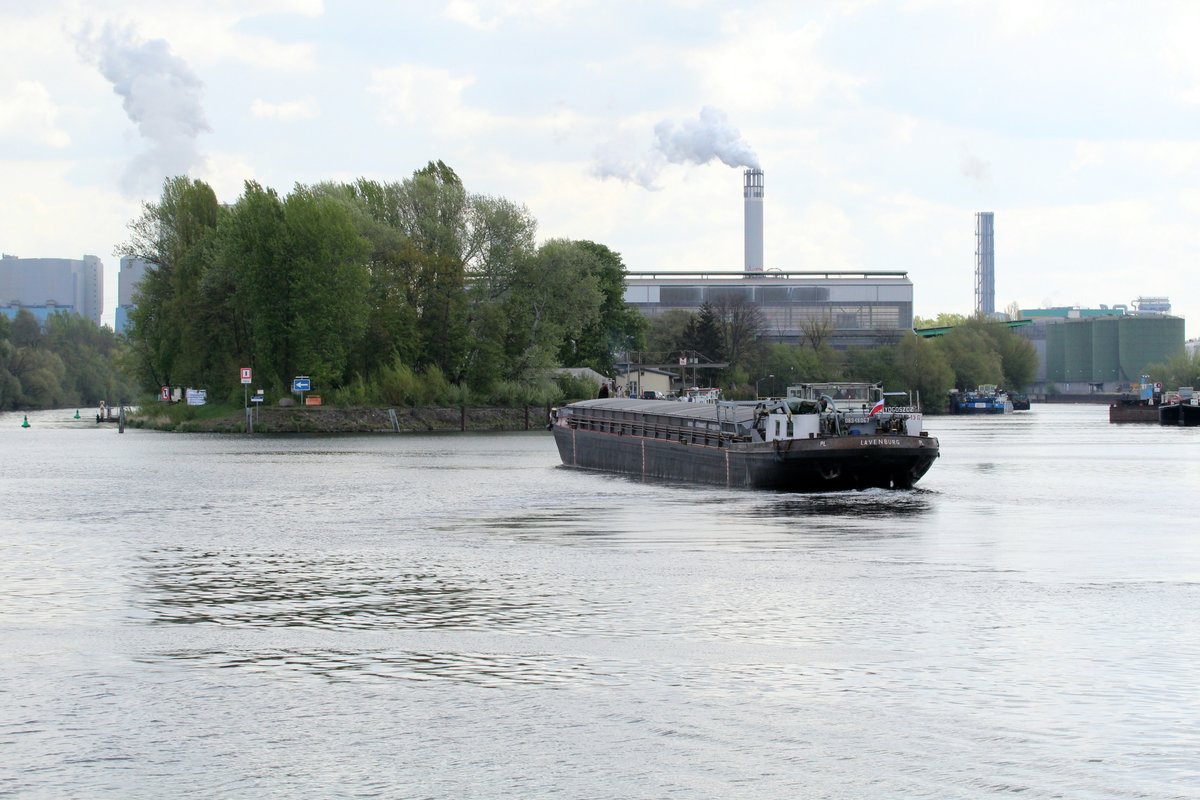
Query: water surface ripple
pixel 459 616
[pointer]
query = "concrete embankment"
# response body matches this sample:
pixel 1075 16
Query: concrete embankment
pixel 327 419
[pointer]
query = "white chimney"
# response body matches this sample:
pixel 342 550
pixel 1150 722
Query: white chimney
pixel 753 194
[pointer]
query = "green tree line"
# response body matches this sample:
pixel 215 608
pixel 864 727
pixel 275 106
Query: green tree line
pixel 975 351
pixel 409 292
pixel 70 361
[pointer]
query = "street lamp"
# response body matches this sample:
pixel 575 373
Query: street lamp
pixel 759 381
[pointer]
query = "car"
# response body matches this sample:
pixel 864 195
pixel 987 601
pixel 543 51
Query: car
pixel 652 395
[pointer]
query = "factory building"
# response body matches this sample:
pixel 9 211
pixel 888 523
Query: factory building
pixel 46 286
pixel 864 308
pixel 1099 350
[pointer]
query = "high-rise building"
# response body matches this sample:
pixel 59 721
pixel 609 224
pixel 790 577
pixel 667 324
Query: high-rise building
pixel 46 286
pixel 131 274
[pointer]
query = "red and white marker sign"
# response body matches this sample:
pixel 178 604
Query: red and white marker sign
pixel 246 375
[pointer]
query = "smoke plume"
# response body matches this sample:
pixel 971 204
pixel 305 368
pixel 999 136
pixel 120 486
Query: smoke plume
pixel 693 141
pixel 160 95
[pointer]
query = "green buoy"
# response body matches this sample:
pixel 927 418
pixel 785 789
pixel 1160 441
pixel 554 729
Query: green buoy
pixel 25 424
pixel 77 413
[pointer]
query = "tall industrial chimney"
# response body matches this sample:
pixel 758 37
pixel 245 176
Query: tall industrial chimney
pixel 753 193
pixel 985 264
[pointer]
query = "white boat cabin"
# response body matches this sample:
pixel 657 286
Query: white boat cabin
pixel 840 409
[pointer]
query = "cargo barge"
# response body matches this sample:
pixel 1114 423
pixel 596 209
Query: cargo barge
pixel 821 437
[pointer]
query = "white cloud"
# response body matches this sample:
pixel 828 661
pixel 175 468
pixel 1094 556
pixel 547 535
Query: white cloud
pixel 469 14
pixel 286 111
pixel 488 16
pixel 208 33
pixel 763 64
pixel 416 95
pixel 27 112
pixel 226 173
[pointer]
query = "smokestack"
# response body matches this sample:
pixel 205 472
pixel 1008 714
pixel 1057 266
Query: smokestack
pixel 985 264
pixel 753 194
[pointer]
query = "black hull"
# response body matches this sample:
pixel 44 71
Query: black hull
pixel 1182 414
pixel 799 465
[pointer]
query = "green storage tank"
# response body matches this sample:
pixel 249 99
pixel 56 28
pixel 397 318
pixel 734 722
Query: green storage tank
pixel 1106 351
pixel 1055 348
pixel 1148 340
pixel 1077 351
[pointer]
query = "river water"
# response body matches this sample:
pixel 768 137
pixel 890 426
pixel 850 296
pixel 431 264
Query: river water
pixel 458 616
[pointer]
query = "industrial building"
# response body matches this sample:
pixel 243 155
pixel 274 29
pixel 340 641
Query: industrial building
pixel 46 286
pixel 131 274
pixel 1099 350
pixel 861 308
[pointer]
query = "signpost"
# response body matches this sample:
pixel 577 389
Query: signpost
pixel 300 385
pixel 247 374
pixel 257 398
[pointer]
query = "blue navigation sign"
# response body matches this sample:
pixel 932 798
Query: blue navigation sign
pixel 301 384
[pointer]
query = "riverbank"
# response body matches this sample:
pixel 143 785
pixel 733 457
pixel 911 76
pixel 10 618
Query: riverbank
pixel 328 419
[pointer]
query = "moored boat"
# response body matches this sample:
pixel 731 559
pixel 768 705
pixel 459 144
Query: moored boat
pixel 820 437
pixel 986 399
pixel 1180 408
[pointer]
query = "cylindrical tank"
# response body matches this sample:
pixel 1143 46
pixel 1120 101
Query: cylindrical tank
pixel 1106 362
pixel 1055 353
pixel 1077 351
pixel 1148 340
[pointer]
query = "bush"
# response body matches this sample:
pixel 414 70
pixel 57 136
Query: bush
pixel 571 388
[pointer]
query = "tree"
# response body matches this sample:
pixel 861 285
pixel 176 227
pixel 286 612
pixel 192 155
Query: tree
pixel 91 361
pixel 253 251
pixel 741 328
pixel 943 320
pixel 969 352
pixel 922 367
pixel 327 286
pixel 617 324
pixel 705 336
pixel 667 333
pixel 554 297
pixel 816 330
pixel 1182 369
pixel 26 330
pixel 168 235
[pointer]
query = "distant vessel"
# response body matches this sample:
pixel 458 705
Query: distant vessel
pixel 1181 408
pixel 1140 404
pixel 820 437
pixel 986 399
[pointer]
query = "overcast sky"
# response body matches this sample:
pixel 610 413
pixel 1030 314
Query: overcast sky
pixel 882 127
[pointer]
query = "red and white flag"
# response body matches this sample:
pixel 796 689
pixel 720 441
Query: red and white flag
pixel 875 409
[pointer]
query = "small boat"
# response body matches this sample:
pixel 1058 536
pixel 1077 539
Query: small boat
pixel 1020 401
pixel 986 399
pixel 820 437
